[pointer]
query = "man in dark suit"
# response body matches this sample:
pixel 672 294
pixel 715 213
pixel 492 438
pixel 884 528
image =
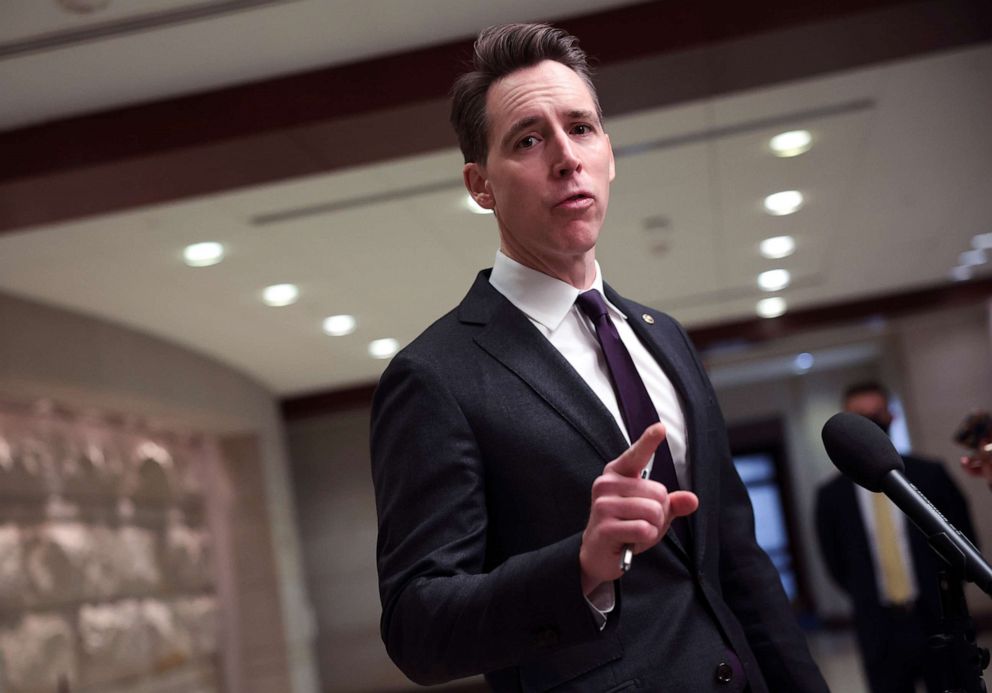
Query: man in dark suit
pixel 507 446
pixel 884 564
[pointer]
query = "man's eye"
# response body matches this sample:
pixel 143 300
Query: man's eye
pixel 582 129
pixel 527 142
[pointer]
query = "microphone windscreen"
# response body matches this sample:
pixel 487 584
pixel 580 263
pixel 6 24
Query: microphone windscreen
pixel 860 449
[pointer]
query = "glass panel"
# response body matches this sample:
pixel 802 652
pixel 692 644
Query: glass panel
pixel 758 474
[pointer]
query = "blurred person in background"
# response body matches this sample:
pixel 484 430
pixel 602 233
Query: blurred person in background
pixel 883 564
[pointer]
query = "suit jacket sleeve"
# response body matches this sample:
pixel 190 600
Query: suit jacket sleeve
pixel 447 612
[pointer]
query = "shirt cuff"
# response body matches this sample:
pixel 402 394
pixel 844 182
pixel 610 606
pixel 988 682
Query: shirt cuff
pixel 601 602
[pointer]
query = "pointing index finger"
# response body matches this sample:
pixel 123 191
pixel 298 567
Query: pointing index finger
pixel 636 457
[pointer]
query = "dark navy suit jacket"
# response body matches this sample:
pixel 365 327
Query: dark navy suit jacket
pixel 485 444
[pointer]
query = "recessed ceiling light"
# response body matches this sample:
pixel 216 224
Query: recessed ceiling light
pixel 785 202
pixel 972 258
pixel 383 348
pixel 961 274
pixel 340 325
pixel 474 207
pixel 791 143
pixel 982 241
pixel 774 280
pixel 203 254
pixel 771 307
pixel 777 247
pixel 280 295
pixel 803 362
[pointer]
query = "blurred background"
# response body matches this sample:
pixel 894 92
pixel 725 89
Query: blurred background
pixel 220 218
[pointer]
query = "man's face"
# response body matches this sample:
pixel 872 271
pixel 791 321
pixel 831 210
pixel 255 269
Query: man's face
pixel 872 405
pixel 548 172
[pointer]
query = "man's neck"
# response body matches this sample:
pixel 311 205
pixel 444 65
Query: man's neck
pixel 579 271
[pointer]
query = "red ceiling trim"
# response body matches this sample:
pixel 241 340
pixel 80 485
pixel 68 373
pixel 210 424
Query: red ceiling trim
pixel 359 114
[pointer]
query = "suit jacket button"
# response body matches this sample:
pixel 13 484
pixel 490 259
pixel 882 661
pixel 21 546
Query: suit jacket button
pixel 547 637
pixel 724 673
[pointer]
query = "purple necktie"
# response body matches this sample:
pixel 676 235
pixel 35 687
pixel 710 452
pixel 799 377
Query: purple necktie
pixel 636 408
pixel 638 412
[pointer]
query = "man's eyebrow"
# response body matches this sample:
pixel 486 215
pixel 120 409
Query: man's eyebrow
pixel 580 114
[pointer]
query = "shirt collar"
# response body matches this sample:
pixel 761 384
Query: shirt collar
pixel 540 297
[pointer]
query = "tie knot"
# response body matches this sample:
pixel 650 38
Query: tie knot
pixel 592 304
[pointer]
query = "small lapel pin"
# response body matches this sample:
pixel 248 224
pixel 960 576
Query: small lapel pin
pixel 649 319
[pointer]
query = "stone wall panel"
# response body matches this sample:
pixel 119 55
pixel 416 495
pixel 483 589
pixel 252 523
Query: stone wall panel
pixel 200 617
pixel 106 573
pixel 137 560
pixel 36 653
pixel 170 640
pixel 115 641
pixel 13 581
pixel 56 562
pixel 187 557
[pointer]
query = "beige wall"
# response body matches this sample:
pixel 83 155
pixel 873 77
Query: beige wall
pixel 84 362
pixel 946 357
pixel 336 507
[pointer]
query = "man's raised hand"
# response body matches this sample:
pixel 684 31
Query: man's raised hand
pixel 627 509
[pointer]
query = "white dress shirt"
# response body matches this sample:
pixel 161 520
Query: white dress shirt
pixel 549 303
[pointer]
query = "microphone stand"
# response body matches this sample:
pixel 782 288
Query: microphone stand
pixel 961 659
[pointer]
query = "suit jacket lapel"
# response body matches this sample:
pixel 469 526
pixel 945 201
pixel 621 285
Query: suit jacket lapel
pixel 510 338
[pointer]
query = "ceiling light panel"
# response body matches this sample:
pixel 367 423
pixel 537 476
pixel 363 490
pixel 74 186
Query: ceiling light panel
pixel 972 258
pixel 771 307
pixel 471 205
pixel 961 274
pixel 982 241
pixel 774 280
pixel 777 247
pixel 383 348
pixel 784 202
pixel 791 143
pixel 203 254
pixel 279 295
pixel 340 325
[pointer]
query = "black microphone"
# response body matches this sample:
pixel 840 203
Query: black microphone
pixel 863 453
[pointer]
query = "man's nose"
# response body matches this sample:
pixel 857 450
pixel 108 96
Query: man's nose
pixel 566 159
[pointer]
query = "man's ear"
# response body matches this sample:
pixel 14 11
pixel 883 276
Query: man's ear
pixel 613 165
pixel 478 185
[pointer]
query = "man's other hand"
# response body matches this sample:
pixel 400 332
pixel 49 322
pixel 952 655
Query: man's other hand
pixel 627 509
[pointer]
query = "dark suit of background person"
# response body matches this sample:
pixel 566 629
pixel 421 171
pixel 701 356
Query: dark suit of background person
pixel 892 640
pixel 485 446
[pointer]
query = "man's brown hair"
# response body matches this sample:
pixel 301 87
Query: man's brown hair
pixel 499 51
pixel 863 388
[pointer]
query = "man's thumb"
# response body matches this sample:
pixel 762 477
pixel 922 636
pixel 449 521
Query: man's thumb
pixel 682 503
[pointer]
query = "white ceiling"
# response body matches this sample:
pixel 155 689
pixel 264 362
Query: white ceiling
pixel 897 184
pixel 178 47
